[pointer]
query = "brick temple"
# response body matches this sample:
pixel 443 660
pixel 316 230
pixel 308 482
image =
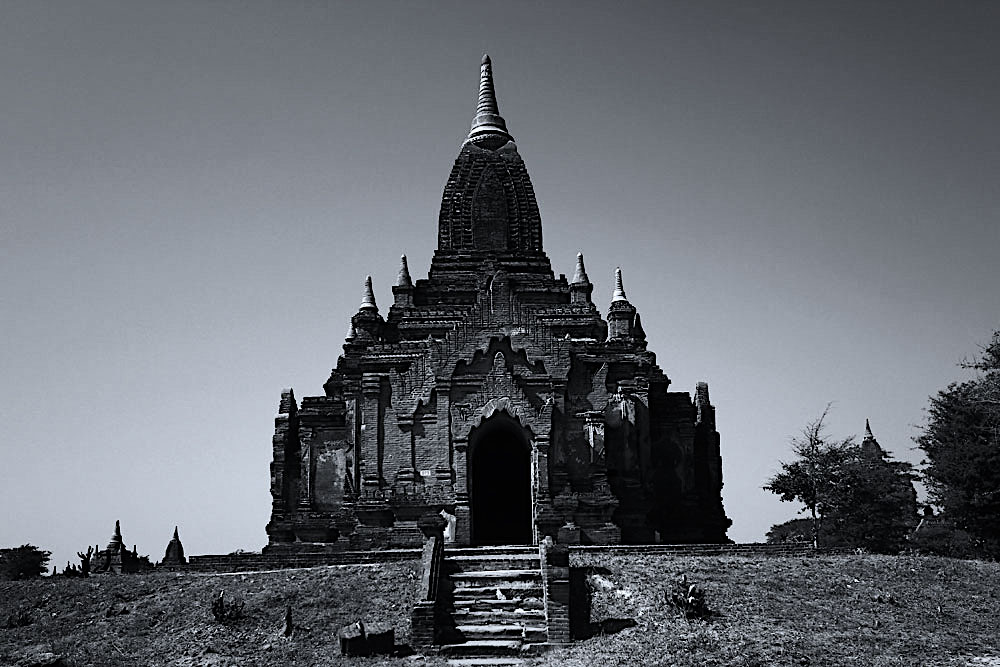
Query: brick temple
pixel 495 392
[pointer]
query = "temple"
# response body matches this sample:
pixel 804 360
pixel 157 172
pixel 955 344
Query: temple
pixel 496 394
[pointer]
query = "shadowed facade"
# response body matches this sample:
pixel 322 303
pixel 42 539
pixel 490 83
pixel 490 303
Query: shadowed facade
pixel 495 391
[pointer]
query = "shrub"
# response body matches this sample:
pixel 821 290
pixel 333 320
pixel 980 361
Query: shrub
pixel 689 600
pixel 18 619
pixel 226 610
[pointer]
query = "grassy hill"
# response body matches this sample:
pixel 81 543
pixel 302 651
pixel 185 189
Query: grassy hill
pixel 842 610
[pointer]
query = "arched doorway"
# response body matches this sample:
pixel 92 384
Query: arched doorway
pixel 500 482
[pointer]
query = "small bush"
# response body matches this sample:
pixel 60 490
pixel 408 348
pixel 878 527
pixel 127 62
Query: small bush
pixel 689 600
pixel 226 610
pixel 941 538
pixel 18 619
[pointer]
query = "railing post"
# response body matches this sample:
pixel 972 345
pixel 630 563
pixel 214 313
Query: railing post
pixel 424 620
pixel 555 589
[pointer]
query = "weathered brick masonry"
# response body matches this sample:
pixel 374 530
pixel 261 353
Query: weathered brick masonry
pixel 496 392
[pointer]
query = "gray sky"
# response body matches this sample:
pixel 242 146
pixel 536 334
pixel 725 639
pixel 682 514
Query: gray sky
pixel 802 196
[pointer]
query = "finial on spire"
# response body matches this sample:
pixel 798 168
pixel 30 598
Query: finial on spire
pixel 368 300
pixel 176 536
pixel 351 333
pixel 619 294
pixel 118 530
pixel 403 279
pixel 488 126
pixel 868 430
pixel 580 275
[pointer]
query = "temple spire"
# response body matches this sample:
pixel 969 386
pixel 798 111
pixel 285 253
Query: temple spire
pixel 403 278
pixel 619 294
pixel 868 431
pixel 638 332
pixel 488 126
pixel 368 300
pixel 580 275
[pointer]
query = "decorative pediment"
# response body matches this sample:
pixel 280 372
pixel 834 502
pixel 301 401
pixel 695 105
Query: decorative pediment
pixel 518 358
pixel 500 393
pixel 495 405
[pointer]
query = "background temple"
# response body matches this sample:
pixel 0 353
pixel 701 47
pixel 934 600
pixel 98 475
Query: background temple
pixel 497 393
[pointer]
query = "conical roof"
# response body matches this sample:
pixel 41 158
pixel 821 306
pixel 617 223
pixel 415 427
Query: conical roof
pixel 637 331
pixel 580 275
pixel 488 125
pixel 619 294
pixel 403 278
pixel 368 300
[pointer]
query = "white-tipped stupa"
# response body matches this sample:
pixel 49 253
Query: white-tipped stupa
pixel 368 300
pixel 619 294
pixel 580 275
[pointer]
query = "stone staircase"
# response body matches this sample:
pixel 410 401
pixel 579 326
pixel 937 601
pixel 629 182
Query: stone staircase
pixel 496 604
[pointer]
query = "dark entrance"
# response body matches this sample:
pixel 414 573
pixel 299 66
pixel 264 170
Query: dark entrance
pixel 500 481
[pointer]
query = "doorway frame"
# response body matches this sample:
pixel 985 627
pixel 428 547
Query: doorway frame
pixel 502 420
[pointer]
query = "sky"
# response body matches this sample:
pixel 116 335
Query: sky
pixel 802 197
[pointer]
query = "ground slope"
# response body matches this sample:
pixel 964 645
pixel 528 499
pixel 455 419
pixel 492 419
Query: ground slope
pixel 842 610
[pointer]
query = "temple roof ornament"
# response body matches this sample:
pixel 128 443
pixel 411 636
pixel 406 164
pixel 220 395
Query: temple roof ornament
pixel 868 431
pixel 368 300
pixel 488 126
pixel 403 278
pixel 580 276
pixel 619 294
pixel 116 539
pixel 637 331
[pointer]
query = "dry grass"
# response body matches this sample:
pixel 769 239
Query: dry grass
pixel 845 610
pixel 166 619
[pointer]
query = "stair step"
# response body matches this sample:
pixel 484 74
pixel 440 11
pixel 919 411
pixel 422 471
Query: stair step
pixel 496 574
pixel 495 661
pixel 502 631
pixel 517 555
pixel 512 590
pixel 492 603
pixel 483 647
pixel 474 617
pixel 492 562
pixel 473 551
pixel 493 630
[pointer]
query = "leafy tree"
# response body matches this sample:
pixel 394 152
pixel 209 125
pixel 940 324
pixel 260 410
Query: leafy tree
pixel 795 530
pixel 874 504
pixel 23 562
pixel 856 494
pixel 961 443
pixel 811 478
